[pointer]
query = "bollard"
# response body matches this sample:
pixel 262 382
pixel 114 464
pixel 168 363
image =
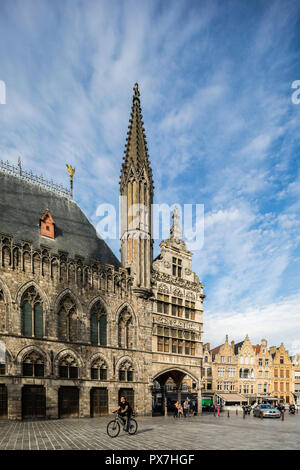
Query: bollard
pixel 236 412
pixel 297 409
pixel 282 416
pixel 228 414
pixel 244 414
pixel 261 415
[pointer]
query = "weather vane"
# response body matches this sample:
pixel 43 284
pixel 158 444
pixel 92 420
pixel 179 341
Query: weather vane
pixel 71 172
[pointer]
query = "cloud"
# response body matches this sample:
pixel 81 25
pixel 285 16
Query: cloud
pixel 277 322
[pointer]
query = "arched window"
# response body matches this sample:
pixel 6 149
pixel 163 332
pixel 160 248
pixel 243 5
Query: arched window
pixel 68 320
pixel 99 370
pixel 125 330
pixel 33 365
pixel 126 372
pixel 2 311
pixel 98 325
pixel 32 314
pixel 68 368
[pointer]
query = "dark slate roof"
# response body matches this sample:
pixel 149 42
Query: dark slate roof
pixel 237 346
pixel 22 204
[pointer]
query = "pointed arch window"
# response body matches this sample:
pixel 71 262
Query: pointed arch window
pixel 33 365
pixel 98 325
pixel 126 330
pixel 99 370
pixel 126 372
pixel 68 367
pixel 2 311
pixel 68 320
pixel 32 314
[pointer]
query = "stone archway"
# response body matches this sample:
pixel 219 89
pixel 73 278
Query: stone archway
pixel 167 389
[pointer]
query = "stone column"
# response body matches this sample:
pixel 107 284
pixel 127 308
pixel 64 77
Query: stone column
pixel 51 402
pixel 163 401
pixel 14 401
pixel 84 402
pixel 199 399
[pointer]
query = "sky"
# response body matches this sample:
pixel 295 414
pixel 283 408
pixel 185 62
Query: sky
pixel 222 129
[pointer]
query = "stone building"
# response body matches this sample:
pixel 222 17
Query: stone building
pixel 283 374
pixel 296 378
pixel 77 326
pixel 237 373
pixel 177 317
pixel 264 370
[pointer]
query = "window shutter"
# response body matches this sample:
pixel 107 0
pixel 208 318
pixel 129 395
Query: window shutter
pixel 94 329
pixel 27 319
pixel 38 321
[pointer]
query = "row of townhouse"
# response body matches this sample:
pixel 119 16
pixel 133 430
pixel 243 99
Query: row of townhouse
pixel 237 373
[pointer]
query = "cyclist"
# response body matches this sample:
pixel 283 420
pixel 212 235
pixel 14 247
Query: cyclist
pixel 124 410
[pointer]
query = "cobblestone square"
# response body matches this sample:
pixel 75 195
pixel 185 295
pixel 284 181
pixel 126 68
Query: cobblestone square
pixel 161 433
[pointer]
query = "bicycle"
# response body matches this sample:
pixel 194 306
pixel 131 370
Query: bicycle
pixel 113 427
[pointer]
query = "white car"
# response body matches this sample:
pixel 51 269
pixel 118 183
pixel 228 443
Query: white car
pixel 267 411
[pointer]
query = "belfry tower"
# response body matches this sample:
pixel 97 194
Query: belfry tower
pixel 136 188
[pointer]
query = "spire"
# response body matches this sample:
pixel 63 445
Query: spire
pixel 136 156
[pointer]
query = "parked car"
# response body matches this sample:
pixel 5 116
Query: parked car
pixel 268 411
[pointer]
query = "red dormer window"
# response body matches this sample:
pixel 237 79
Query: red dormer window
pixel 47 225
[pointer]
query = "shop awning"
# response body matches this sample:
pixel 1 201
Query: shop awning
pixel 265 397
pixel 232 397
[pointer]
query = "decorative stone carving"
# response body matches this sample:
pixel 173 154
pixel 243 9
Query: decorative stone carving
pixel 163 288
pixel 178 292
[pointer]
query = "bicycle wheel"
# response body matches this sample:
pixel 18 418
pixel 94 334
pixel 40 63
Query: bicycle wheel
pixel 133 427
pixel 113 428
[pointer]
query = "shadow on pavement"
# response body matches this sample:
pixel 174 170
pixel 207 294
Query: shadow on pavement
pixel 145 430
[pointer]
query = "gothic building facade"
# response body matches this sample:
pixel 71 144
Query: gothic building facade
pixel 77 326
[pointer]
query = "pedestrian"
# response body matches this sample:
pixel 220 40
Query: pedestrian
pixel 186 407
pixel 176 406
pixel 218 410
pixel 180 411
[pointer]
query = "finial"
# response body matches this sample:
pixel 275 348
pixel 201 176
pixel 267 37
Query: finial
pixel 226 339
pixel 175 230
pixel 71 172
pixel 20 165
pixel 136 91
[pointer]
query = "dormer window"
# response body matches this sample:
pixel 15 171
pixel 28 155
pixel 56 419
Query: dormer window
pixel 47 225
pixel 176 267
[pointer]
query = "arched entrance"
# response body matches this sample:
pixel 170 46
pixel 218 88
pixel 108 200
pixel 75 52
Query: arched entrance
pixel 170 386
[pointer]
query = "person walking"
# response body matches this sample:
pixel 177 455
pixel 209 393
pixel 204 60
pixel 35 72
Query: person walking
pixel 218 410
pixel 176 406
pixel 186 407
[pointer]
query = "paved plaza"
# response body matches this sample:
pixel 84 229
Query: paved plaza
pixel 161 433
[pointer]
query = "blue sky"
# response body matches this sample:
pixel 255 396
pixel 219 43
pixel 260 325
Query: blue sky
pixel 215 80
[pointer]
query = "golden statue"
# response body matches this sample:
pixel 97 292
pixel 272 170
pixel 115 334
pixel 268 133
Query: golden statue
pixel 71 171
